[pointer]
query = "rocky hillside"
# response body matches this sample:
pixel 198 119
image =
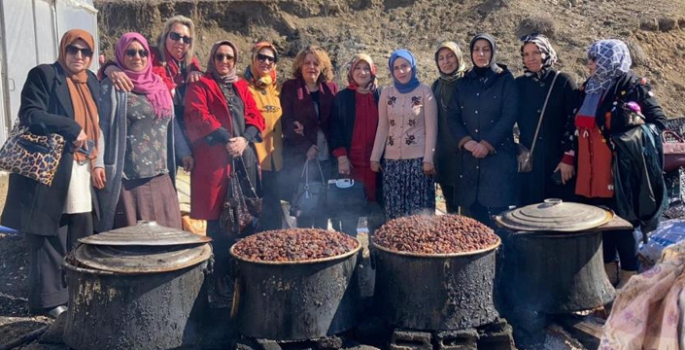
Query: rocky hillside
pixel 344 27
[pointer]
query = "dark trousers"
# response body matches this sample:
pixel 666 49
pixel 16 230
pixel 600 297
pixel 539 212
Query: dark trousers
pixel 221 245
pixel 484 214
pixel 625 244
pixel 450 200
pixel 271 217
pixel 46 254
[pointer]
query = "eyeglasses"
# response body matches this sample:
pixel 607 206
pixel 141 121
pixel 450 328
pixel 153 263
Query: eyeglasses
pixel 73 50
pixel 266 58
pixel 132 53
pixel 220 57
pixel 176 37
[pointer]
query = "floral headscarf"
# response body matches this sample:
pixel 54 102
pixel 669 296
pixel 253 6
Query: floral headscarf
pixel 254 76
pixel 549 56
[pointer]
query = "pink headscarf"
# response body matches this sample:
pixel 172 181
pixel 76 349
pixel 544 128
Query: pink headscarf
pixel 144 82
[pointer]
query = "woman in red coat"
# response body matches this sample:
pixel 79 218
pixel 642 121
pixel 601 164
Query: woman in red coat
pixel 222 121
pixel 307 101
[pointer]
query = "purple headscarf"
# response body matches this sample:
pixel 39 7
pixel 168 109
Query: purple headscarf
pixel 144 82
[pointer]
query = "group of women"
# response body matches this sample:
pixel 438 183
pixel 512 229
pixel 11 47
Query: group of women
pixel 155 109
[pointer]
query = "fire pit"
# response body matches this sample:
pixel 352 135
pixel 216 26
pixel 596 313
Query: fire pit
pixel 296 284
pixel 138 288
pixel 435 272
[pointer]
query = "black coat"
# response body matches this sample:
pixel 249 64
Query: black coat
pixel 627 88
pixel 31 206
pixel 343 116
pixel 484 109
pixel 555 136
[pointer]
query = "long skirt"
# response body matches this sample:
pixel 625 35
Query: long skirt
pixel 149 199
pixel 406 189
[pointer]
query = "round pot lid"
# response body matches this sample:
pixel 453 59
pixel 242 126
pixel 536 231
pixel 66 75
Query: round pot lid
pixel 145 233
pixel 140 259
pixel 555 215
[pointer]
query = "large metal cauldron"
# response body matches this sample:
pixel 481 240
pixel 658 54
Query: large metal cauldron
pixel 554 263
pixel 436 292
pixel 297 300
pixel 137 288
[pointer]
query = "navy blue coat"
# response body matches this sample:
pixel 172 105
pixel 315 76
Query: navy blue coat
pixel 485 108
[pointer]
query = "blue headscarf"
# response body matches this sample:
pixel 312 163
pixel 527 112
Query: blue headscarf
pixel 414 82
pixel 613 60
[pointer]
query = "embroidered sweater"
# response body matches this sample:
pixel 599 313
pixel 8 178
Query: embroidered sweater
pixel 407 125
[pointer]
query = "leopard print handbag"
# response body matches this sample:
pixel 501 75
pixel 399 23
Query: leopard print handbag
pixel 31 155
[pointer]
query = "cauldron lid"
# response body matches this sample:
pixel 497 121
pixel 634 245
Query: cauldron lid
pixel 145 233
pixel 555 215
pixel 140 259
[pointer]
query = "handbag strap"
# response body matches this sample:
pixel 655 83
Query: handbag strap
pixel 253 192
pixel 542 114
pixel 305 172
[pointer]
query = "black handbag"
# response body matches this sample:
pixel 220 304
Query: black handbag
pixel 310 197
pixel 252 200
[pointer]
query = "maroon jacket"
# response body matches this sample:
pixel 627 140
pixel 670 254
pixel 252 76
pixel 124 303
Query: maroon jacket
pixel 298 106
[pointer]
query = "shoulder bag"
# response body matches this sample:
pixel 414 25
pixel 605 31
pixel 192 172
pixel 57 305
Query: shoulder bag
pixel 525 156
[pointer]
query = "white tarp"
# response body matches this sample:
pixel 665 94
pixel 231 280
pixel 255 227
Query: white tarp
pixel 30 32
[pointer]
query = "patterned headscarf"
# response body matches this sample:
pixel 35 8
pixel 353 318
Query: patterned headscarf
pixel 144 82
pixel 613 60
pixel 414 82
pixel 549 56
pixel 461 68
pixel 232 76
pixel 352 85
pixel 253 75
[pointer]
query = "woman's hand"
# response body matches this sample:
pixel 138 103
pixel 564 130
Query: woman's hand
pixel 299 128
pixel 428 168
pixel 236 146
pixel 344 165
pixel 98 178
pixel 312 152
pixel 567 171
pixel 188 163
pixel 194 76
pixel 479 151
pixel 120 80
pixel 376 167
pixel 80 139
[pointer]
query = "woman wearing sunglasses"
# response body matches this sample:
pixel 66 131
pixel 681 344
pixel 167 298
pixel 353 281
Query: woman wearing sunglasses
pixel 58 98
pixel 223 123
pixel 174 61
pixel 139 132
pixel 261 77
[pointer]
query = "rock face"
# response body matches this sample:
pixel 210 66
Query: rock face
pixel 377 27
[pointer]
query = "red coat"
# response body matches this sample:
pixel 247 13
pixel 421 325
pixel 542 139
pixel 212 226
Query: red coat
pixel 206 110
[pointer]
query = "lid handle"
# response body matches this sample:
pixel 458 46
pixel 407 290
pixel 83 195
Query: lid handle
pixel 550 202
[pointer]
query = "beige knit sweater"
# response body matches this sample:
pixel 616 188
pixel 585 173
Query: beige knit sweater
pixel 407 125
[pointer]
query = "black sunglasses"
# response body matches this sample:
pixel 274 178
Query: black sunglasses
pixel 265 58
pixel 220 57
pixel 176 37
pixel 133 52
pixel 73 50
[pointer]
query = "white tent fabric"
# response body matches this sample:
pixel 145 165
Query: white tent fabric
pixel 30 32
